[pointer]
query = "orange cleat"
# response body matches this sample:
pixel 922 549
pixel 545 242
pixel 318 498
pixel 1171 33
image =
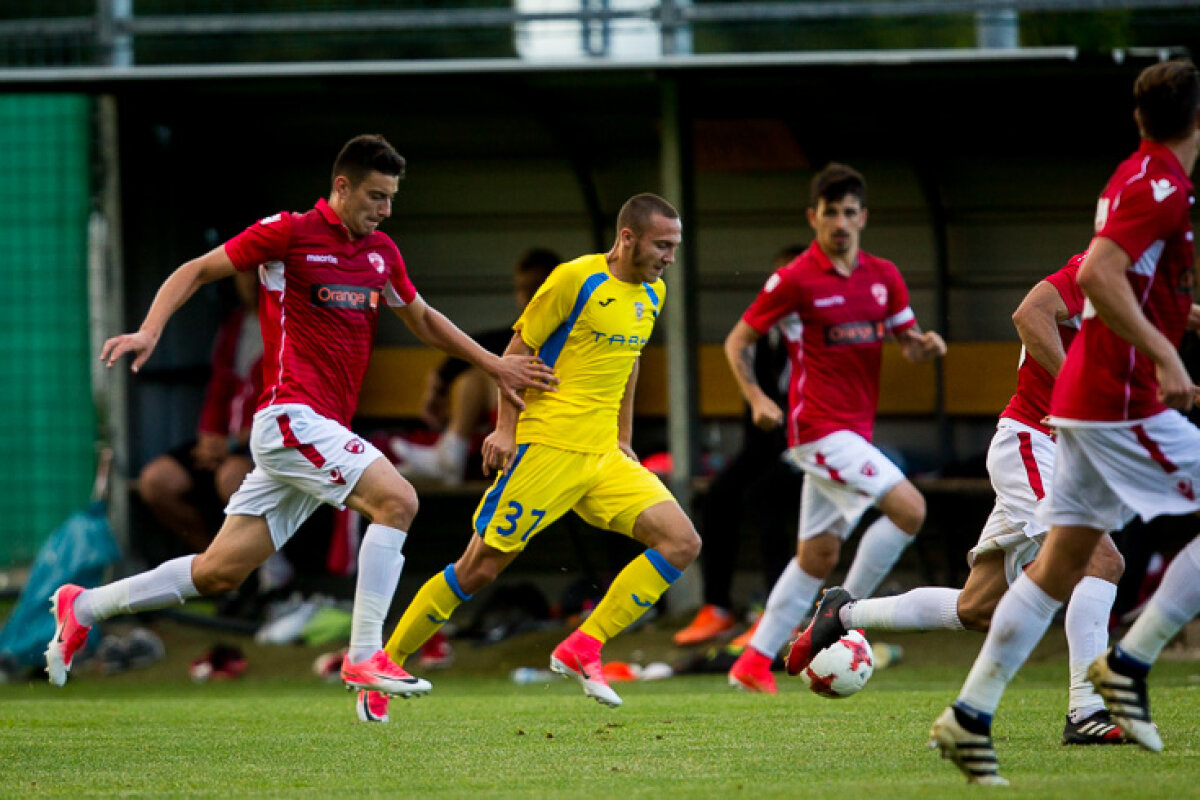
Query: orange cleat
pixel 709 623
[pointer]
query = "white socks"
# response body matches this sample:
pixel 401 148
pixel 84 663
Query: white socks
pixel 924 609
pixel 1087 637
pixel 1020 621
pixel 877 553
pixel 380 562
pixel 170 583
pixel 1173 605
pixel 790 599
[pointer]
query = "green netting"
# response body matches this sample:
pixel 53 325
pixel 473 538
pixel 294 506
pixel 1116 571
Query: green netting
pixel 47 418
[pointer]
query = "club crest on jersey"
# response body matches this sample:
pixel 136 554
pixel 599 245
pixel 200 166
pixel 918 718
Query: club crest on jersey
pixel 376 261
pixel 638 310
pixel 880 293
pixel 358 298
pixel 354 446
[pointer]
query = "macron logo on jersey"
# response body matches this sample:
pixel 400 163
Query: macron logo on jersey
pixel 321 258
pixel 827 302
pixel 271 219
pixel 1162 189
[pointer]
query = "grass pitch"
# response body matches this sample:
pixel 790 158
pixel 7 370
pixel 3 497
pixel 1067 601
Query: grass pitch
pixel 279 732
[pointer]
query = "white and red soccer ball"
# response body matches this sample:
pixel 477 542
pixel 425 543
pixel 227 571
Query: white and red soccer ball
pixel 843 668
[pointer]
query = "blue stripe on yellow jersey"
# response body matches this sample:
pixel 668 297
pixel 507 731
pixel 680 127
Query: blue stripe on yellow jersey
pixel 591 327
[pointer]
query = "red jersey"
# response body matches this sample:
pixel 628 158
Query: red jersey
pixel 1143 210
pixel 834 326
pixel 320 305
pixel 236 381
pixel 1031 403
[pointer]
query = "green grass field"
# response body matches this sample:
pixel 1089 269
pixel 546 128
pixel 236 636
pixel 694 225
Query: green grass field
pixel 279 732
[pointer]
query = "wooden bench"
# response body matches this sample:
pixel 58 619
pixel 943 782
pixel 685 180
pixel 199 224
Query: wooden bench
pixel 979 378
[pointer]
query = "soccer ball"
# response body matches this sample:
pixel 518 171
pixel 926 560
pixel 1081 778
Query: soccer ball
pixel 841 669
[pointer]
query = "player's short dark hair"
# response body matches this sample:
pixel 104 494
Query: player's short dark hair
pixel 538 259
pixel 1166 96
pixel 835 182
pixel 366 153
pixel 638 210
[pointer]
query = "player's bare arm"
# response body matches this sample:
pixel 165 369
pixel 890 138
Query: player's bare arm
pixel 174 292
pixel 1102 279
pixel 919 347
pixel 1036 320
pixel 501 444
pixel 625 415
pixel 739 352
pixel 511 372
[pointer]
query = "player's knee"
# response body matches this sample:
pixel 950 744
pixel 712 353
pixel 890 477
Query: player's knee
pixel 975 616
pixel 216 579
pixel 157 483
pixel 1107 563
pixel 398 508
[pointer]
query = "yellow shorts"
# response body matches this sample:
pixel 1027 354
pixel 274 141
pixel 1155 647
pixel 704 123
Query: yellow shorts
pixel 609 490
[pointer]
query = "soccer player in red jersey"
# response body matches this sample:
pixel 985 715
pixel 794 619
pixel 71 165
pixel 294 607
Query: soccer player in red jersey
pixel 324 274
pixel 1124 449
pixel 1021 466
pixel 835 304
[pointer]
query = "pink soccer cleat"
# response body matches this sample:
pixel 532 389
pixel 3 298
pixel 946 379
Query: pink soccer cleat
pixel 380 674
pixel 579 657
pixel 372 706
pixel 69 635
pixel 752 673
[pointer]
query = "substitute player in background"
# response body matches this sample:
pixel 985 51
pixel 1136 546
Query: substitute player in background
pixel 835 304
pixel 324 274
pixel 1124 449
pixel 570 450
pixel 1021 466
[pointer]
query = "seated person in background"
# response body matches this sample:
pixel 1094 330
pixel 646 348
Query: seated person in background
pixel 459 398
pixel 756 484
pixel 187 488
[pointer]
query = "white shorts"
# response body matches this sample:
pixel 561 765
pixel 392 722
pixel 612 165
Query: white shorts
pixel 844 475
pixel 1109 473
pixel 1020 463
pixel 301 459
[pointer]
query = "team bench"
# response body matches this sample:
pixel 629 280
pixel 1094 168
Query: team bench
pixel 978 380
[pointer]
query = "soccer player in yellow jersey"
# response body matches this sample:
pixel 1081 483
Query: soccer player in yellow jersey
pixel 570 449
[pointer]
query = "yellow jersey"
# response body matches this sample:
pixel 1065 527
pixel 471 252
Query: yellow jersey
pixel 590 327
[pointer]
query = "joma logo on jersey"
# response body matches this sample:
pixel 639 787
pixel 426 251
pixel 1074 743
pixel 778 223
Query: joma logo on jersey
pixel 359 298
pixel 854 333
pixel 599 337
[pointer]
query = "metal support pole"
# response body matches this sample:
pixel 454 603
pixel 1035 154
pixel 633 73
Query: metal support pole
pixel 680 320
pixel 111 386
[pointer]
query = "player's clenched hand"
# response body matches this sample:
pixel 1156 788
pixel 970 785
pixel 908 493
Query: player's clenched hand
pixel 932 345
pixel 766 413
pixel 498 449
pixel 210 450
pixel 141 344
pixel 1175 387
pixel 519 372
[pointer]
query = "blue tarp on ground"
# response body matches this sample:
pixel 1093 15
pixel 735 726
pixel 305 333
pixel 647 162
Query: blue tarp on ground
pixel 79 551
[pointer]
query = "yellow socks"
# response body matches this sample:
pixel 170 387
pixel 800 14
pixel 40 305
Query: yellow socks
pixel 427 612
pixel 635 589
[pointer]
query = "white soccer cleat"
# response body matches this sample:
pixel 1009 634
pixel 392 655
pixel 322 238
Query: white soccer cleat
pixel 972 753
pixel 1128 702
